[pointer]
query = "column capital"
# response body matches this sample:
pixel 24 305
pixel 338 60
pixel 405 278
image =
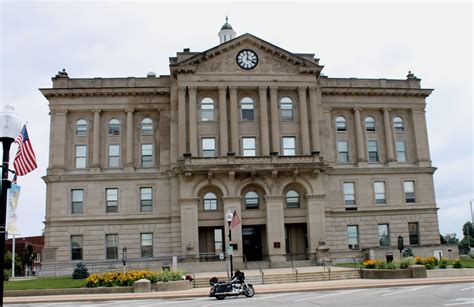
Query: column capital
pixel 313 90
pixel 357 109
pixel 302 89
pixel 129 110
pixel 273 89
pixel 416 110
pixel 387 109
pixel 96 111
pixel 192 90
pixel 262 90
pixel 222 89
pixel 182 89
pixel 233 90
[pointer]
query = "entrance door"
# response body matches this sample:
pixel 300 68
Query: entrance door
pixel 252 241
pixel 296 241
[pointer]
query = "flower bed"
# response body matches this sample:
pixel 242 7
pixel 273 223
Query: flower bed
pixel 119 279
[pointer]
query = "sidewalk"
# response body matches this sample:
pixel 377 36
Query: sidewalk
pixel 259 289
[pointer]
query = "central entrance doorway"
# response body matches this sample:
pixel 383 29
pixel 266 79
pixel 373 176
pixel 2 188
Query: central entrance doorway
pixel 296 237
pixel 252 242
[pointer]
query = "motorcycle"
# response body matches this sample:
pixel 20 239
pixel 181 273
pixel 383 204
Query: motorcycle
pixel 236 287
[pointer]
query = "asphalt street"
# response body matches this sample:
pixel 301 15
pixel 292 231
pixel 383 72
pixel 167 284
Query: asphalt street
pixel 461 294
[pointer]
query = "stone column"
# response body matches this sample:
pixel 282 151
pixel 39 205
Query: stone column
pixel 59 129
pixel 96 139
pixel 224 141
pixel 129 142
pixel 303 120
pixel 328 137
pixel 421 137
pixel 275 119
pixel 173 117
pixel 264 137
pixel 359 137
pixel 189 227
pixel 315 102
pixel 233 203
pixel 234 120
pixel 316 222
pixel 275 228
pixel 193 135
pixel 181 121
pixel 388 135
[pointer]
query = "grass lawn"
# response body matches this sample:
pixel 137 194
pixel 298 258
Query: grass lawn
pixel 45 283
pixel 466 263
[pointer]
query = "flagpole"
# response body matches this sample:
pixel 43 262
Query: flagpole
pixel 13 256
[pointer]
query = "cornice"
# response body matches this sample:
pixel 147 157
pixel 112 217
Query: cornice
pixel 382 170
pixel 359 91
pixel 94 92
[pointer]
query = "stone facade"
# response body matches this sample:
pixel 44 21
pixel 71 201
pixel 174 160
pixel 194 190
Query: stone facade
pixel 156 162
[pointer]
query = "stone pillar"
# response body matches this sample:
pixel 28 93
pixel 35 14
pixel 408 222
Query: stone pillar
pixel 234 120
pixel 58 130
pixel 224 141
pixel 193 138
pixel 275 229
pixel 181 121
pixel 129 142
pixel 96 139
pixel 275 119
pixel 388 135
pixel 315 102
pixel 303 120
pixel 173 117
pixel 421 137
pixel 264 137
pixel 328 137
pixel 316 224
pixel 233 203
pixel 359 137
pixel 189 227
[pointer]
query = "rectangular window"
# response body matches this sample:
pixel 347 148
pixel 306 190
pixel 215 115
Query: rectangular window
pixel 384 235
pixel 207 110
pixel 247 110
pixel 349 194
pixel 111 199
pixel 111 246
pixel 146 199
pixel 289 146
pixel 76 247
pixel 409 188
pixel 373 151
pixel 77 201
pixel 353 236
pixel 218 240
pixel 249 147
pixel 379 191
pixel 114 155
pixel 343 151
pixel 146 240
pixel 81 156
pixel 286 109
pixel 147 155
pixel 414 233
pixel 208 147
pixel 401 152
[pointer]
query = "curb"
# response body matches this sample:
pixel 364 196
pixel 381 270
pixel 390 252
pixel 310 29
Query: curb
pixel 259 289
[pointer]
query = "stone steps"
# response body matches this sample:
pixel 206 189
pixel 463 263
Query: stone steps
pixel 288 278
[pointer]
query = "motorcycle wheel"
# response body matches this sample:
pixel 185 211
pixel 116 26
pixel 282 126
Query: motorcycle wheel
pixel 220 296
pixel 249 291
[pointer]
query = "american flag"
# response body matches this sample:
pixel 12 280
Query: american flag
pixel 235 220
pixel 25 159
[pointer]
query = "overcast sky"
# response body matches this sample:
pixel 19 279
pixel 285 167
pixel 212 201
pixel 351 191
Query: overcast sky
pixel 352 39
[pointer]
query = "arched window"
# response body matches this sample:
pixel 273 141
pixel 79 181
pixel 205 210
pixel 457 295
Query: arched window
pixel 147 126
pixel 286 108
pixel 251 200
pixel 341 124
pixel 248 108
pixel 398 124
pixel 292 199
pixel 210 202
pixel 369 123
pixel 81 127
pixel 114 127
pixel 207 109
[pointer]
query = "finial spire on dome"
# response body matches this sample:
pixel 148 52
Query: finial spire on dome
pixel 226 33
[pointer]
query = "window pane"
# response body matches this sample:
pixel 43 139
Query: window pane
pixel 147 126
pixel 76 247
pixel 247 106
pixel 401 152
pixel 414 233
pixel 369 123
pixel 286 108
pixel 207 109
pixel 342 151
pixel 379 189
pixel 340 124
pixel 147 155
pixel 114 127
pixel 80 156
pixel 208 147
pixel 114 155
pixel 384 237
pixel 111 200
pixel 251 200
pixel 409 188
pixel 398 124
pixel 111 243
pixel 292 199
pixel 353 237
pixel 210 201
pixel 349 194
pixel 146 198
pixel 248 145
pixel 373 151
pixel 77 201
pixel 81 127
pixel 289 148
pixel 146 244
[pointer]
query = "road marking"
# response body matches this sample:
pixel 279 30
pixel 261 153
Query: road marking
pixel 467 301
pixel 330 294
pixel 467 288
pixel 276 295
pixel 402 291
pixel 182 301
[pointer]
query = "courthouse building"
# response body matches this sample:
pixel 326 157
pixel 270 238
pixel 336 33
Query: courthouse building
pixel 315 167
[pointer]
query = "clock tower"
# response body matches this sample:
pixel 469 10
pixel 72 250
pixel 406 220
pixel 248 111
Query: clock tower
pixel 226 33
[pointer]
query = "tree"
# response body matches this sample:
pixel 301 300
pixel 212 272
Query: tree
pixel 450 238
pixel 468 241
pixel 8 262
pixel 27 258
pixel 80 271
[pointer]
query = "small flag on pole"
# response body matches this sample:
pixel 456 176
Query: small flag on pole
pixel 235 220
pixel 25 159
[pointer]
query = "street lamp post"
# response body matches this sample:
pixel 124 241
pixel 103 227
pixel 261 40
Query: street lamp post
pixel 228 218
pixel 124 258
pixel 10 126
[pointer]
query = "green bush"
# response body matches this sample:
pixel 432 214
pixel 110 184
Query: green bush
pixel 6 275
pixel 471 255
pixel 80 271
pixel 391 265
pixel 443 263
pixel 381 265
pixel 406 262
pixel 457 264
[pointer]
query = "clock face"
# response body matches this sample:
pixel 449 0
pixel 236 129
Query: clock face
pixel 247 59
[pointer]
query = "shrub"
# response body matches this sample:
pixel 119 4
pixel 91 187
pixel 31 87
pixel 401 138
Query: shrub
pixel 80 271
pixel 6 275
pixel 418 260
pixel 408 252
pixel 471 255
pixel 391 265
pixel 457 264
pixel 431 262
pixel 443 263
pixel 406 262
pixel 380 265
pixel 369 264
pixel 113 279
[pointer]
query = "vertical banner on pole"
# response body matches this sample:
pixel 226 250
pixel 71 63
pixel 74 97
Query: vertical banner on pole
pixel 13 196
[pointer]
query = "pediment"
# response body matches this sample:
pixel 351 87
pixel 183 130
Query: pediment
pixel 272 59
